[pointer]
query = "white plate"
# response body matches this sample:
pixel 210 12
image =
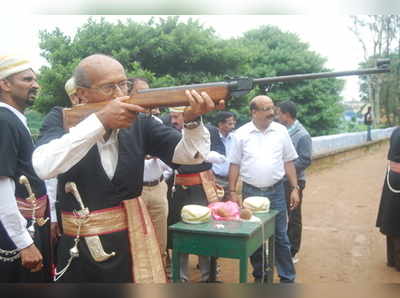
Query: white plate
pixel 195 222
pixel 252 219
pixel 261 211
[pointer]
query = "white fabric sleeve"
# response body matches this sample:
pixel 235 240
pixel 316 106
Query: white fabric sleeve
pixel 10 217
pixel 59 155
pixel 163 165
pixel 167 173
pixel 193 147
pixel 215 157
pixel 51 187
pixel 235 151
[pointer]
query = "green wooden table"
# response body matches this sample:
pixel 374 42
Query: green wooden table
pixel 225 239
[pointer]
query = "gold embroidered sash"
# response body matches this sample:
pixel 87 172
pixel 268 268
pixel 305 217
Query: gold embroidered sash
pixel 147 262
pixel 99 222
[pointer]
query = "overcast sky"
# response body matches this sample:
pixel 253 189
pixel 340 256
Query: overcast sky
pixel 327 35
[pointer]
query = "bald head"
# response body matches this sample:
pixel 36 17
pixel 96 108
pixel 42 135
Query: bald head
pixel 94 65
pixel 259 101
pixel 99 78
pixel 262 111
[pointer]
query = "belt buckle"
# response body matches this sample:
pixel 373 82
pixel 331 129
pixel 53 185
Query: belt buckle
pixel 153 183
pixel 267 188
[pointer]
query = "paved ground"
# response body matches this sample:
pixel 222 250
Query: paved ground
pixel 340 241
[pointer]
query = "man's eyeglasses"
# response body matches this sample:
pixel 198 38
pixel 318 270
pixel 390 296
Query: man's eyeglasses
pixel 109 89
pixel 265 109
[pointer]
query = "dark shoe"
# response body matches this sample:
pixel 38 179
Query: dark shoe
pixel 286 281
pixel 260 280
pixel 390 264
pixel 211 281
pixel 218 268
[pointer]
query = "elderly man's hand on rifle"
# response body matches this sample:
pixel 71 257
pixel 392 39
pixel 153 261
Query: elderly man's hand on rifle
pixel 200 104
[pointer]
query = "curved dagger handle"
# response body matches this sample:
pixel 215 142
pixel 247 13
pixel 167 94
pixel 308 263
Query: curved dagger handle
pixel 23 180
pixel 93 242
pixel 70 187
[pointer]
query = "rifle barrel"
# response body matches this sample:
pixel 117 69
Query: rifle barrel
pixel 320 75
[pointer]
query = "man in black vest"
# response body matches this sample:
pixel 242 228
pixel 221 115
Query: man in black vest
pixel 192 184
pixel 23 251
pixel 107 232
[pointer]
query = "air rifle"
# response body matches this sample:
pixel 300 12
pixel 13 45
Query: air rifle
pixel 175 96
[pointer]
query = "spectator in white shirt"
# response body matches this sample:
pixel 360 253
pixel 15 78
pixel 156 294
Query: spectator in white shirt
pixel 221 142
pixel 262 153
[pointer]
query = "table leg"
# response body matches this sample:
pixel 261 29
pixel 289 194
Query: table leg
pixel 271 259
pixel 243 269
pixel 176 262
pixel 213 269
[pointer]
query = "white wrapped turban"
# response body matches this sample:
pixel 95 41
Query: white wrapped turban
pixel 177 109
pixel 10 64
pixel 70 86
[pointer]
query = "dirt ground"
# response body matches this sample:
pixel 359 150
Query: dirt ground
pixel 340 242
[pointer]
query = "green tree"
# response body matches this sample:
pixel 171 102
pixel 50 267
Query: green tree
pixel 169 52
pixel 272 52
pixel 34 120
pixel 379 36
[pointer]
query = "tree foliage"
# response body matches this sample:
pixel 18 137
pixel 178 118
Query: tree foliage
pixel 169 52
pixel 379 36
pixel 272 52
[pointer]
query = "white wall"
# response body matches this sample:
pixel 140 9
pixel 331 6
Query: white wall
pixel 333 143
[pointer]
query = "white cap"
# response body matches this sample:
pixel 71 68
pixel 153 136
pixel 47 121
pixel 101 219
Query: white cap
pixel 70 86
pixel 177 109
pixel 11 64
pixel 257 204
pixel 195 213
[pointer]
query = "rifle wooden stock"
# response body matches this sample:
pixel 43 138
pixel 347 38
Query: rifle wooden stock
pixel 149 98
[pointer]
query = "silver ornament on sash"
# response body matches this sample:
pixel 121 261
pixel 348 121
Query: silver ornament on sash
pixel 93 242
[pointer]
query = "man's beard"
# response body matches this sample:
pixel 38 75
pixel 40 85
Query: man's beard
pixel 32 94
pixel 29 102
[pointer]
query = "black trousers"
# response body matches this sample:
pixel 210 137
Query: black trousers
pixel 295 225
pixel 393 251
pixel 14 272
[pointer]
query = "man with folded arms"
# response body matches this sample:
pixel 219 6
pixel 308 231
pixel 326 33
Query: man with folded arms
pixel 262 153
pixel 107 232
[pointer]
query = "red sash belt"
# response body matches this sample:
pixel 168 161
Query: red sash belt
pixel 395 166
pixel 206 179
pixel 99 222
pixel 147 263
pixel 26 207
pixel 188 179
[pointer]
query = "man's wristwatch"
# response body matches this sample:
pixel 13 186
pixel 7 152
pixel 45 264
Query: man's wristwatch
pixel 295 187
pixel 192 124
